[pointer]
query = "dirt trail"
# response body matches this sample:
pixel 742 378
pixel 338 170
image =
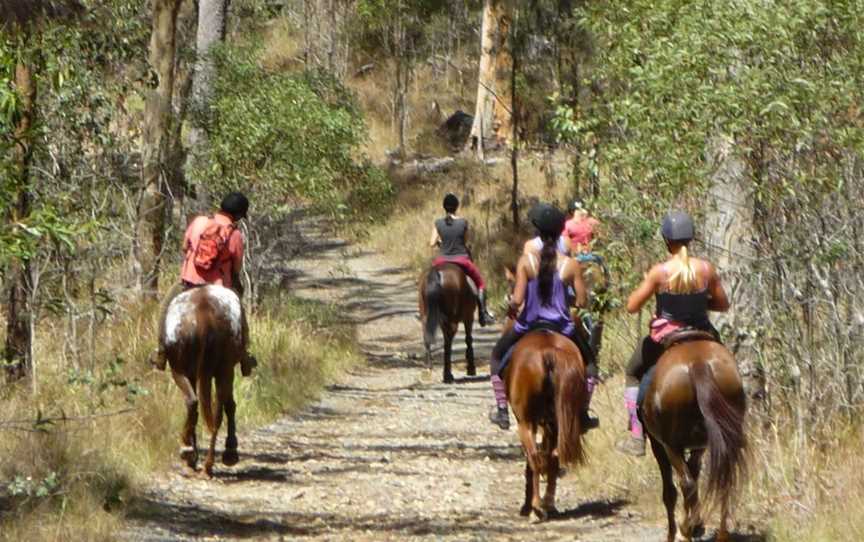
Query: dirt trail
pixel 388 453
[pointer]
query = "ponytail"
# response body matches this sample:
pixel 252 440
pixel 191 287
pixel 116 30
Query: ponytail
pixel 548 259
pixel 682 276
pixel 448 219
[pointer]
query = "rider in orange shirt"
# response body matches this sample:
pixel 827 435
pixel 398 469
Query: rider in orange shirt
pixel 220 233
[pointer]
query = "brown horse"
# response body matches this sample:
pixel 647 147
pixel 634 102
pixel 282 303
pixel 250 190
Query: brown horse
pixel 545 382
pixel 203 342
pixel 445 300
pixel 695 400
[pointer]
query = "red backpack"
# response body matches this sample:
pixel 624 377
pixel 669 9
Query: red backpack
pixel 212 245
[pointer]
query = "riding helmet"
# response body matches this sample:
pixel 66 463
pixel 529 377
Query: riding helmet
pixel 548 219
pixel 678 226
pixel 574 205
pixel 235 204
pixel 451 202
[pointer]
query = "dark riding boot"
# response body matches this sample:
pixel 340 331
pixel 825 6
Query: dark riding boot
pixel 486 317
pixel 247 364
pixel 587 421
pixel 158 359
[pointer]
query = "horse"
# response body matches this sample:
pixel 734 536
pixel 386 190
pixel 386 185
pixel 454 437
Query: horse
pixel 203 341
pixel 545 383
pixel 695 400
pixel 446 299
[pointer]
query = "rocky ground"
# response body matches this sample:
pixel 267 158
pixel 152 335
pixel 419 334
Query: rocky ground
pixel 387 453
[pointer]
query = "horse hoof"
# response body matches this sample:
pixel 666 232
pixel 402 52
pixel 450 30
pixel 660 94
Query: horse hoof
pixel 551 511
pixel 472 371
pixel 539 515
pixel 230 457
pixel 190 456
pixel 698 530
pixel 448 378
pixel 525 511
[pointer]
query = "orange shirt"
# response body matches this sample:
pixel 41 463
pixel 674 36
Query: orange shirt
pixel 221 273
pixel 581 231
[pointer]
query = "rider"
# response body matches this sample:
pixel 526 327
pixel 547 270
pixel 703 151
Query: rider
pixel 579 229
pixel 450 234
pixel 541 284
pixel 685 289
pixel 218 235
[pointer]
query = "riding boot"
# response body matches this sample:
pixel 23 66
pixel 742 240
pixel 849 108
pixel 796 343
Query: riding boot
pixel 486 317
pixel 588 421
pixel 248 363
pixel 499 414
pixel 634 444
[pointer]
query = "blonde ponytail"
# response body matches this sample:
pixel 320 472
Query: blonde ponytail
pixel 682 276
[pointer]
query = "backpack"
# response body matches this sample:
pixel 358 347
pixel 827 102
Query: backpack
pixel 212 245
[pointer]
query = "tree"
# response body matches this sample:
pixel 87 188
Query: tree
pixel 20 19
pixel 155 148
pixel 493 117
pixel 212 25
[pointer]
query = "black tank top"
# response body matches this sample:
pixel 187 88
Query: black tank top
pixel 452 236
pixel 690 309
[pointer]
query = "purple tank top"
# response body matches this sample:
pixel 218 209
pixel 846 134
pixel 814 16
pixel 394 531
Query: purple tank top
pixel 556 313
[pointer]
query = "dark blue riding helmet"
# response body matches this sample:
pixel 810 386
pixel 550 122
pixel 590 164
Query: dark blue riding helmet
pixel 678 227
pixel 548 219
pixel 451 202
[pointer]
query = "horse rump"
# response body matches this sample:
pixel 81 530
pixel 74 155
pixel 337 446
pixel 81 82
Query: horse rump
pixel 727 440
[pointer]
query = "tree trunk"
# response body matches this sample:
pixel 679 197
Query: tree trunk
pixel 493 115
pixel 514 147
pixel 17 348
pixel 155 147
pixel 212 25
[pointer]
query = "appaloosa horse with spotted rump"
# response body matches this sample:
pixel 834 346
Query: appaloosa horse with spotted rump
pixel 203 341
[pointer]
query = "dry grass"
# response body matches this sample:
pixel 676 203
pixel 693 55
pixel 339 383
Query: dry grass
pixel 67 480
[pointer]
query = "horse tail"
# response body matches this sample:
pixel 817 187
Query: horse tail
pixel 569 386
pixel 727 441
pixel 433 291
pixel 205 384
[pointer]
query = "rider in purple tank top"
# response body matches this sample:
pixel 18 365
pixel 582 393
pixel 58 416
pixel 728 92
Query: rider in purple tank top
pixel 541 291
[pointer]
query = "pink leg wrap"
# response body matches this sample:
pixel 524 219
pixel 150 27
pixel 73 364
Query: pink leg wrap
pixel 630 395
pixel 500 393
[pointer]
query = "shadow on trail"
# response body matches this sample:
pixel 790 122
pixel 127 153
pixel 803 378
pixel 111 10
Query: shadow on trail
pixel 597 509
pixel 202 521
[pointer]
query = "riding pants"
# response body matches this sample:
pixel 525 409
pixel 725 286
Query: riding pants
pixel 467 265
pixel 648 353
pixel 511 337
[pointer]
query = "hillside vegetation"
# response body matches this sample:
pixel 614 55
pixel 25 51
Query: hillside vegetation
pixel 748 114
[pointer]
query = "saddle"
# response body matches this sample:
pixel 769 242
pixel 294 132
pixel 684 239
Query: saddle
pixel 470 281
pixel 686 335
pixel 542 326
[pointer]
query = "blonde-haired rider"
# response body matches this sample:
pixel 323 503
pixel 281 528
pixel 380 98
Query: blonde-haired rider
pixel 685 289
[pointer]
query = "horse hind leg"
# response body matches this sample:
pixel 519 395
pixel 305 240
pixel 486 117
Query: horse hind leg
pixel 217 422
pixel 552 467
pixel 670 495
pixel 694 464
pixel 688 490
pixel 526 436
pixel 189 444
pixel 225 391
pixel 449 333
pixel 469 347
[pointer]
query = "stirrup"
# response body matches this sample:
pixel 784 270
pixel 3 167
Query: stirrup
pixel 247 364
pixel 588 421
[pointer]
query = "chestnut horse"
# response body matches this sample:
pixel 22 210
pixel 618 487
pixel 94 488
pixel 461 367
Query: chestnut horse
pixel 203 342
pixel 446 299
pixel 695 400
pixel 545 382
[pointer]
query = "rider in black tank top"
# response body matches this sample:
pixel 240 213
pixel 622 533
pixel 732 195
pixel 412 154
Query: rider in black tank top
pixel 449 235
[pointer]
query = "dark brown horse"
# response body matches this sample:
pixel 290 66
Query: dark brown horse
pixel 695 401
pixel 446 299
pixel 203 342
pixel 545 383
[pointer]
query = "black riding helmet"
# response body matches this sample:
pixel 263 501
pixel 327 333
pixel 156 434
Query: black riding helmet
pixel 451 202
pixel 235 204
pixel 678 227
pixel 548 219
